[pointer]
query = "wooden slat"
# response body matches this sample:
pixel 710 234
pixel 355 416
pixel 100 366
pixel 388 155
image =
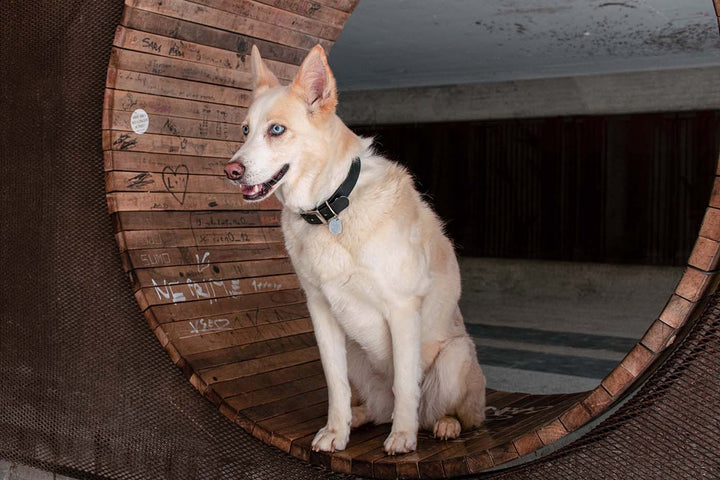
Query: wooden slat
pixel 157 162
pixel 199 237
pixel 160 124
pixel 202 219
pixel 168 181
pixel 126 140
pixel 209 324
pixel 176 68
pixel 121 100
pixel 154 257
pixel 166 46
pixel 221 348
pixel 251 367
pixel 213 17
pixel 310 9
pixel 344 5
pixel 305 413
pixel 212 271
pixel 693 284
pixel 362 440
pixel 150 22
pixel 129 201
pixel 259 397
pixel 657 336
pixel 172 87
pixel 167 293
pixel 266 380
pixel 274 16
pixel 253 303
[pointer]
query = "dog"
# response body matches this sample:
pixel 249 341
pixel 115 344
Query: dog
pixel 380 276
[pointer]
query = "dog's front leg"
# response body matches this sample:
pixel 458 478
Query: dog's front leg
pixel 404 325
pixel 331 343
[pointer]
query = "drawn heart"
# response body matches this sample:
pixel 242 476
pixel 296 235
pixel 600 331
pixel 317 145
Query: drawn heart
pixel 176 180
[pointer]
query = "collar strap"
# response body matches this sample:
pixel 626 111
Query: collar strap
pixel 338 201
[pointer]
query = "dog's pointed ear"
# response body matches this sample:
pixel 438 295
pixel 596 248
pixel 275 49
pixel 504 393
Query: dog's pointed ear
pixel 315 82
pixel 263 78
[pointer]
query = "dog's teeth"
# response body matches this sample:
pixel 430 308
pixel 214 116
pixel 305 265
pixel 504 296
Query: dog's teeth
pixel 250 190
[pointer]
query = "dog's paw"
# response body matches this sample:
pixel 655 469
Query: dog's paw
pixel 447 428
pixel 330 439
pixel 400 442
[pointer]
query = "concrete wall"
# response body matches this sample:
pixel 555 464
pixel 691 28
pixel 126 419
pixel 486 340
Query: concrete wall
pixel 636 92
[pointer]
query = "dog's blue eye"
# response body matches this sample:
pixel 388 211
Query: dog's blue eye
pixel 277 129
pixel 246 129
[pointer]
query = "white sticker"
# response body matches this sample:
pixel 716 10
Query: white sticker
pixel 139 121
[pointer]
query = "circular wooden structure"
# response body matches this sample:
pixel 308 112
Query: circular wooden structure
pixel 210 273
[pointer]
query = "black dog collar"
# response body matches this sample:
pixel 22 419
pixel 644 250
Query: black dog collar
pixel 328 211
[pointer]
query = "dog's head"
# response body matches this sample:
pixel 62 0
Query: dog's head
pixel 287 127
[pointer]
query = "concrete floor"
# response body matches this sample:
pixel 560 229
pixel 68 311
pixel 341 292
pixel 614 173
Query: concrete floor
pixel 554 327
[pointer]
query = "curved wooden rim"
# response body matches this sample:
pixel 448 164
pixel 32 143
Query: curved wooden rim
pixel 210 272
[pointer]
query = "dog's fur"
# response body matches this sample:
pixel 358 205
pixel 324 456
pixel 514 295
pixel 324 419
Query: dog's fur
pixel 382 294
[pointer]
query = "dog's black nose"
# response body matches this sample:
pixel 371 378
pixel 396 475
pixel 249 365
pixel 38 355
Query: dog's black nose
pixel 234 170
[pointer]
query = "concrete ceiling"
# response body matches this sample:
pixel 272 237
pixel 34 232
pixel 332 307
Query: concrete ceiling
pixel 401 43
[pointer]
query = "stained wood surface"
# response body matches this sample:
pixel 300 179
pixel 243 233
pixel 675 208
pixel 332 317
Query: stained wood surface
pixel 210 271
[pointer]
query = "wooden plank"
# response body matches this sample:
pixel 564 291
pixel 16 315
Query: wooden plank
pixel 180 220
pixel 693 284
pixel 170 47
pixel 617 381
pixel 160 124
pixel 129 201
pixel 253 303
pixel 200 327
pixel 150 22
pixel 124 140
pixel 230 346
pixel 528 444
pixel 637 360
pixel 574 418
pixel 362 440
pixel 705 254
pixel 344 5
pixel 677 311
pixel 657 336
pixel 168 181
pixel 198 237
pixel 173 87
pixel 167 67
pixel 711 224
pixel 269 379
pixel 177 293
pixel 285 405
pixel 285 438
pixel 479 462
pixel 213 17
pixel 303 414
pixel 259 397
pixel 214 113
pixel 552 432
pixel 247 368
pixel 158 162
pixel 310 9
pixel 598 401
pixel 274 16
pixel 154 257
pixel 212 271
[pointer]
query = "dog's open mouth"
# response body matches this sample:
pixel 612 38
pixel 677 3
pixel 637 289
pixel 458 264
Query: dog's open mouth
pixel 262 190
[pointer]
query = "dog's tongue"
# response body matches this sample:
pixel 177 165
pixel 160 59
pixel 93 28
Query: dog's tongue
pixel 250 190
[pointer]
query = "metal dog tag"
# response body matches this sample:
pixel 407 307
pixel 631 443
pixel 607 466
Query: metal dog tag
pixel 335 225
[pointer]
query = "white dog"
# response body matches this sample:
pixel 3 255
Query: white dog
pixel 381 278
